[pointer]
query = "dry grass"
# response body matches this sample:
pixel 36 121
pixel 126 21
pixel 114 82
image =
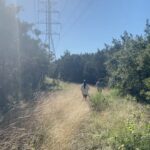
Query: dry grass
pixel 16 130
pixel 62 120
pixel 60 116
pixel 50 124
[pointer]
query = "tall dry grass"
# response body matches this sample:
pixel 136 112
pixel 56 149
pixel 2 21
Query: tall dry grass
pixel 59 117
pixel 63 120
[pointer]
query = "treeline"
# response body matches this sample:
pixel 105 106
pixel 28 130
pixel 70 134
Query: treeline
pixel 75 68
pixel 125 64
pixel 24 60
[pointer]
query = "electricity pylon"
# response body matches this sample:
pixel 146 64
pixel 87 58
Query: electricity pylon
pixel 46 12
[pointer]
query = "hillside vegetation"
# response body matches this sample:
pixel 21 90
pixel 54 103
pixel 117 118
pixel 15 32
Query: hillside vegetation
pixel 116 123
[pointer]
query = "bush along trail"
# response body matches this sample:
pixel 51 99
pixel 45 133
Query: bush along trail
pixel 116 123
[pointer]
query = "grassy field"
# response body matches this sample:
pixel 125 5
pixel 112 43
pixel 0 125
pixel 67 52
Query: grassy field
pixel 63 120
pixel 50 123
pixel 116 123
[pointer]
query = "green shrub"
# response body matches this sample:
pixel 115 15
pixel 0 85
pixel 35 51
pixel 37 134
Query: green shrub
pixel 145 92
pixel 131 98
pixel 50 84
pixel 132 136
pixel 99 102
pixel 121 124
pixel 114 92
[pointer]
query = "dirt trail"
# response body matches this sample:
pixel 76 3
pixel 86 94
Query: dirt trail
pixel 61 115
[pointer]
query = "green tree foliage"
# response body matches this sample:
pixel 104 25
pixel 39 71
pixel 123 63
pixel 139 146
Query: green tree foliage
pixel 70 67
pixel 75 68
pixel 129 66
pixel 24 60
pixel 125 64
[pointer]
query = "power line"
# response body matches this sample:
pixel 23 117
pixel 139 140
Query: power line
pixel 83 12
pixel 72 12
pixel 64 6
pixel 78 4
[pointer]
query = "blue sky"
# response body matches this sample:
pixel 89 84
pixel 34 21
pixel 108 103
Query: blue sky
pixel 87 24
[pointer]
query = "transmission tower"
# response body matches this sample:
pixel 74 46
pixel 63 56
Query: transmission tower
pixel 46 14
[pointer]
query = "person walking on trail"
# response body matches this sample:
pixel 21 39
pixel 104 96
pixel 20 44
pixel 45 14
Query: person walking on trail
pixel 98 86
pixel 85 89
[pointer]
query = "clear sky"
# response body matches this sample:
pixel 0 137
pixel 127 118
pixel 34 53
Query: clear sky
pixel 87 24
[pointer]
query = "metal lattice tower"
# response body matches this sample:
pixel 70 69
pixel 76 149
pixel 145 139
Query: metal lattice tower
pixel 46 24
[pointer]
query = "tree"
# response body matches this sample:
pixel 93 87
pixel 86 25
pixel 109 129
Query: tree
pixel 24 60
